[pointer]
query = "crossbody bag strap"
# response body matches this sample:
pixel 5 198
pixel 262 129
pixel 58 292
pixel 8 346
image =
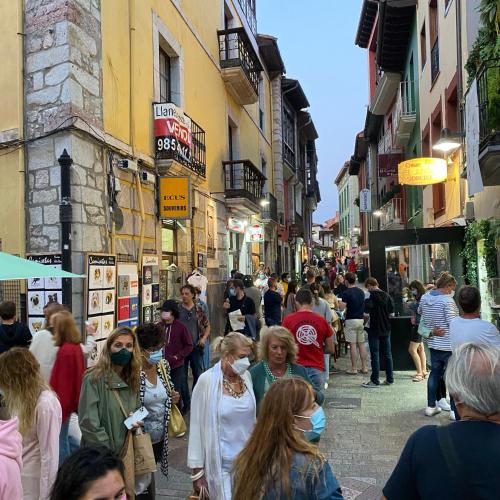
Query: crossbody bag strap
pixel 165 376
pixel 119 399
pixel 451 457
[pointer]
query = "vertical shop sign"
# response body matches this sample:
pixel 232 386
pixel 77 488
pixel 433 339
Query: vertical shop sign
pixel 150 288
pixel 365 200
pixel 100 298
pixel 42 291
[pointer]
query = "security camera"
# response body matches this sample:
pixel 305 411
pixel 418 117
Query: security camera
pixel 129 165
pixel 147 177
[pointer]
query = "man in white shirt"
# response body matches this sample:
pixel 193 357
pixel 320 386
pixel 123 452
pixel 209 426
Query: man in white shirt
pixel 469 327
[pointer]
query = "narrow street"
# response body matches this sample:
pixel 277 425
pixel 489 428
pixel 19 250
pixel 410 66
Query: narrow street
pixel 366 431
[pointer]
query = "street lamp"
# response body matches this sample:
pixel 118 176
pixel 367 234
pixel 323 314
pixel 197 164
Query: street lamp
pixel 377 213
pixel 264 202
pixel 448 141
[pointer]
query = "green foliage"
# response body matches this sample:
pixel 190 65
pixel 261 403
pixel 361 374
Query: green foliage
pixel 480 230
pixel 356 201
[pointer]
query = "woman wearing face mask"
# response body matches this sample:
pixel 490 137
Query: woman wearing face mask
pixel 416 347
pixel 156 395
pixel 222 416
pixel 278 461
pixel 178 346
pixel 115 377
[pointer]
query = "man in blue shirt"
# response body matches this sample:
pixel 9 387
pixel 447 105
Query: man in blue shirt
pixel 354 300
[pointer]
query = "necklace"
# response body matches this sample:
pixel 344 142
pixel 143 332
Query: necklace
pixel 271 377
pixel 229 388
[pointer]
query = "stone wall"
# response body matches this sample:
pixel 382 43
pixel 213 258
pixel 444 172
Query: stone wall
pixel 63 94
pixel 277 143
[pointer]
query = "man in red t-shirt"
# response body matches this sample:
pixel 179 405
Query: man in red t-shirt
pixel 312 333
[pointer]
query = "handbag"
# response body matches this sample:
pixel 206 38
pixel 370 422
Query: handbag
pixel 201 495
pixel 137 451
pixel 127 456
pixel 176 425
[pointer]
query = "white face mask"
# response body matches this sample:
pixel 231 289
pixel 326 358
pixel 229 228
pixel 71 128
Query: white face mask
pixel 240 366
pixel 166 315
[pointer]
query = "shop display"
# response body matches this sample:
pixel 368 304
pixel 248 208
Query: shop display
pixel 128 294
pixel 41 291
pixel 150 289
pixel 101 292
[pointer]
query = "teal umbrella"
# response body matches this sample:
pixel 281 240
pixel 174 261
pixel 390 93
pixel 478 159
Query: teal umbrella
pixel 16 268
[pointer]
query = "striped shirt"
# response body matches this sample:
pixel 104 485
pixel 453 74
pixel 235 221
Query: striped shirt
pixel 437 310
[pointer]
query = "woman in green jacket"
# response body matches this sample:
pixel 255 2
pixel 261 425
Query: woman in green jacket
pixel 117 371
pixel 277 353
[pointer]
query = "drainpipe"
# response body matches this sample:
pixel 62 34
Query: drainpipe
pixel 66 218
pixel 460 91
pixel 22 159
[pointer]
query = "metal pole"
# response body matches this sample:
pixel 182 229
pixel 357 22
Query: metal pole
pixel 66 217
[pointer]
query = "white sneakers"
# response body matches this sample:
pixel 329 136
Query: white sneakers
pixel 431 411
pixel 443 404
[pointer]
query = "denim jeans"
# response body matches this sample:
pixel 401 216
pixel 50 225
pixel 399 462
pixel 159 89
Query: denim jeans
pixel 195 360
pixel 63 442
pixel 380 345
pixel 179 379
pixel 439 360
pixel 317 378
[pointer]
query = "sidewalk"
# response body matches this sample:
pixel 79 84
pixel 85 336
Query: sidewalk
pixel 366 431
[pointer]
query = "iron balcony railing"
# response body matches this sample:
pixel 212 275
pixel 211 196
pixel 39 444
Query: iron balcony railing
pixel 385 142
pixel 197 160
pixel 393 213
pixel 488 89
pixel 270 210
pixel 405 102
pixel 236 50
pixel 248 7
pixel 242 179
pixel 435 60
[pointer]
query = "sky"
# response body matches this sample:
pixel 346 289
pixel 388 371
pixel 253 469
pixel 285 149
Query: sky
pixel 316 41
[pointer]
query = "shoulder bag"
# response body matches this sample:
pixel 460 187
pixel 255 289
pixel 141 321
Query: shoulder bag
pixel 176 425
pixel 142 449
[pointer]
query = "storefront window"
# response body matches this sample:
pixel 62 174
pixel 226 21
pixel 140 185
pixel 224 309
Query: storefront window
pixel 415 262
pixel 168 244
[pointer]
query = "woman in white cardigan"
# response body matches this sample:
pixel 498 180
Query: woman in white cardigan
pixel 222 416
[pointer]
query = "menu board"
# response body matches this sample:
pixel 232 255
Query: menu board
pixel 128 295
pixel 150 289
pixel 42 291
pixel 101 293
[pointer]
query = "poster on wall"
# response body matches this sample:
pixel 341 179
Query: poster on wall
pixel 101 292
pixel 150 288
pixel 41 291
pixel 128 295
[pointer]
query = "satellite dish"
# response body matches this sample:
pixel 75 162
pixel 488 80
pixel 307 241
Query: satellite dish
pixel 118 218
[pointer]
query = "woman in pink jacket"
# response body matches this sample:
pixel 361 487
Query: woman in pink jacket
pixel 39 413
pixel 10 460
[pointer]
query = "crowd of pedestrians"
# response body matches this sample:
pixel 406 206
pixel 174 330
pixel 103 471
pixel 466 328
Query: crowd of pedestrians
pixel 255 411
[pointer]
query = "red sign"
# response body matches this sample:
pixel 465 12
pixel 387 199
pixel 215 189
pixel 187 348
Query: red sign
pixel 172 129
pixel 388 164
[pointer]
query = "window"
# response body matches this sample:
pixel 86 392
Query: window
pixel 165 77
pixel 423 46
pixel 264 172
pixel 289 136
pixel 262 100
pixel 434 39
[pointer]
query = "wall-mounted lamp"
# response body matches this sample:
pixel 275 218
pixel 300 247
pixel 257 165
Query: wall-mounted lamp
pixel 448 141
pixel 377 213
pixel 264 203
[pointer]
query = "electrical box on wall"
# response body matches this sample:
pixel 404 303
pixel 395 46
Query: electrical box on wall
pixel 148 177
pixel 127 164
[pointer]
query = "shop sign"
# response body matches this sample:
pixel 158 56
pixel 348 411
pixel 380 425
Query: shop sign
pixel 172 130
pixel 255 233
pixel 236 225
pixel 365 200
pixel 422 171
pixel 174 199
pixel 388 164
pixel 295 231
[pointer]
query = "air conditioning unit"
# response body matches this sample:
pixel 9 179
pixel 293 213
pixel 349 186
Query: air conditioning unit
pixel 127 164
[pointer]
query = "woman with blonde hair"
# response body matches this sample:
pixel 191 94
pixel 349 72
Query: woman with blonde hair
pixel 39 413
pixel 278 461
pixel 277 354
pixel 222 416
pixel 67 373
pixel 112 383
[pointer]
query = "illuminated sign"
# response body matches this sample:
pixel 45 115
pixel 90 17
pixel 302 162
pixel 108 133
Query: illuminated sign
pixel 255 233
pixel 365 200
pixel 236 225
pixel 174 199
pixel 422 171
